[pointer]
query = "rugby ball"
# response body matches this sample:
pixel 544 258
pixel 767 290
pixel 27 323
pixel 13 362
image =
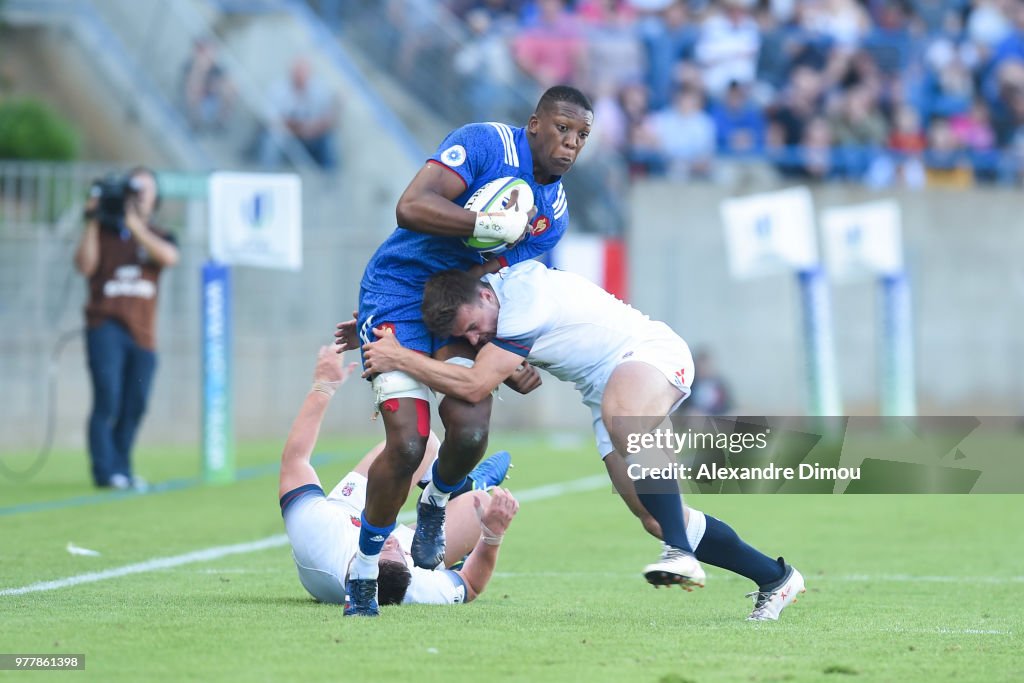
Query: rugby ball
pixel 498 195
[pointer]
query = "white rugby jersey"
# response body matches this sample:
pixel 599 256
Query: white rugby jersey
pixel 429 586
pixel 569 326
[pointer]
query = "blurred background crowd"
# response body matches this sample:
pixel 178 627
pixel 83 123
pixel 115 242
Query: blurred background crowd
pixel 889 93
pixel 697 102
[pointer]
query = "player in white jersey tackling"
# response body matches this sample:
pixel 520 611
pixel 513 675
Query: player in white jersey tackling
pixel 324 530
pixel 626 367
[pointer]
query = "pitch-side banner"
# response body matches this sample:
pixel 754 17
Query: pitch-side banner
pixel 770 233
pixel 602 260
pixel 862 241
pixel 256 219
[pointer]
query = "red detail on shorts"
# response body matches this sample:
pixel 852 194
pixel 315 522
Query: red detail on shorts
pixel 681 374
pixel 422 417
pixel 390 405
pixel 355 522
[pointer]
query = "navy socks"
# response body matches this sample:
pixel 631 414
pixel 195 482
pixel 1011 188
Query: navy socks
pixel 722 547
pixel 661 498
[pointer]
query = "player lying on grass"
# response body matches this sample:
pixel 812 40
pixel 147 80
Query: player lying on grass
pixel 624 365
pixel 324 530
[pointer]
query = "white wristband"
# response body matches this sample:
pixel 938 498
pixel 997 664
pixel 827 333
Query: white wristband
pixel 507 226
pixel 486 535
pixel 324 387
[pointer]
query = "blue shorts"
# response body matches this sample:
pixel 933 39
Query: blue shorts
pixel 400 313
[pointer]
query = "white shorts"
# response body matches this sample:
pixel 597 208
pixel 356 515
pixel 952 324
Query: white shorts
pixel 671 357
pixel 324 534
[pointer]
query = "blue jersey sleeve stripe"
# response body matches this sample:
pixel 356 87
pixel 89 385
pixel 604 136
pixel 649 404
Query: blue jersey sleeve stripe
pixel 505 133
pixel 514 347
pixel 449 169
pixel 458 582
pixel 560 203
pixel 559 199
pixel 456 579
pixel 497 128
pixel 510 144
pixel 512 147
pixel 296 493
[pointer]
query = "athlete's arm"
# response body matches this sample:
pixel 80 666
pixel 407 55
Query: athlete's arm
pixel 87 254
pixel 427 204
pixel 494 521
pixel 328 376
pixel 491 266
pixel 493 366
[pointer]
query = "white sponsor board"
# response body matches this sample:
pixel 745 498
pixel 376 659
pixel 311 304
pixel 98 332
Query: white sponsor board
pixel 256 219
pixel 770 233
pixel 862 241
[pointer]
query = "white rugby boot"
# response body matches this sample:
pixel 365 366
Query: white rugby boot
pixel 675 567
pixel 769 603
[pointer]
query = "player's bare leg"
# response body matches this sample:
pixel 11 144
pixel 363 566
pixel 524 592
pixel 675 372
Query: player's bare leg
pixel 389 479
pixel 430 454
pixel 466 427
pixel 637 399
pixel 465 441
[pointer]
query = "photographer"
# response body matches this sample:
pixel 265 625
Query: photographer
pixel 121 253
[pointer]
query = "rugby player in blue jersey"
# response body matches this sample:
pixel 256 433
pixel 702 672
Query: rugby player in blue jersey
pixel 430 237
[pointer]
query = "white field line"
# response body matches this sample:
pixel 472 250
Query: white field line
pixel 911 578
pixel 948 631
pixel 151 565
pixel 217 552
pixel 857 578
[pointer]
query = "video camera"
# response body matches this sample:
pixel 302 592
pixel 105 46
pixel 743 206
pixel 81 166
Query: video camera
pixel 112 191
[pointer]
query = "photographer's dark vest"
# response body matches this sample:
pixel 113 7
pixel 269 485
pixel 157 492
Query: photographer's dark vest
pixel 124 286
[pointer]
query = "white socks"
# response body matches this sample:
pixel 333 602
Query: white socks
pixel 364 566
pixel 434 497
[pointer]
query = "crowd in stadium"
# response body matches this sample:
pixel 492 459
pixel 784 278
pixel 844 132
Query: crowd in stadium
pixel 903 93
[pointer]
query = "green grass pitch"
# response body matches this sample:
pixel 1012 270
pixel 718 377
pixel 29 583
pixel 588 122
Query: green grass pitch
pixel 900 588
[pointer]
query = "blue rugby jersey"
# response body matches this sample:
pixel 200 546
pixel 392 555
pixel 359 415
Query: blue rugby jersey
pixel 477 153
